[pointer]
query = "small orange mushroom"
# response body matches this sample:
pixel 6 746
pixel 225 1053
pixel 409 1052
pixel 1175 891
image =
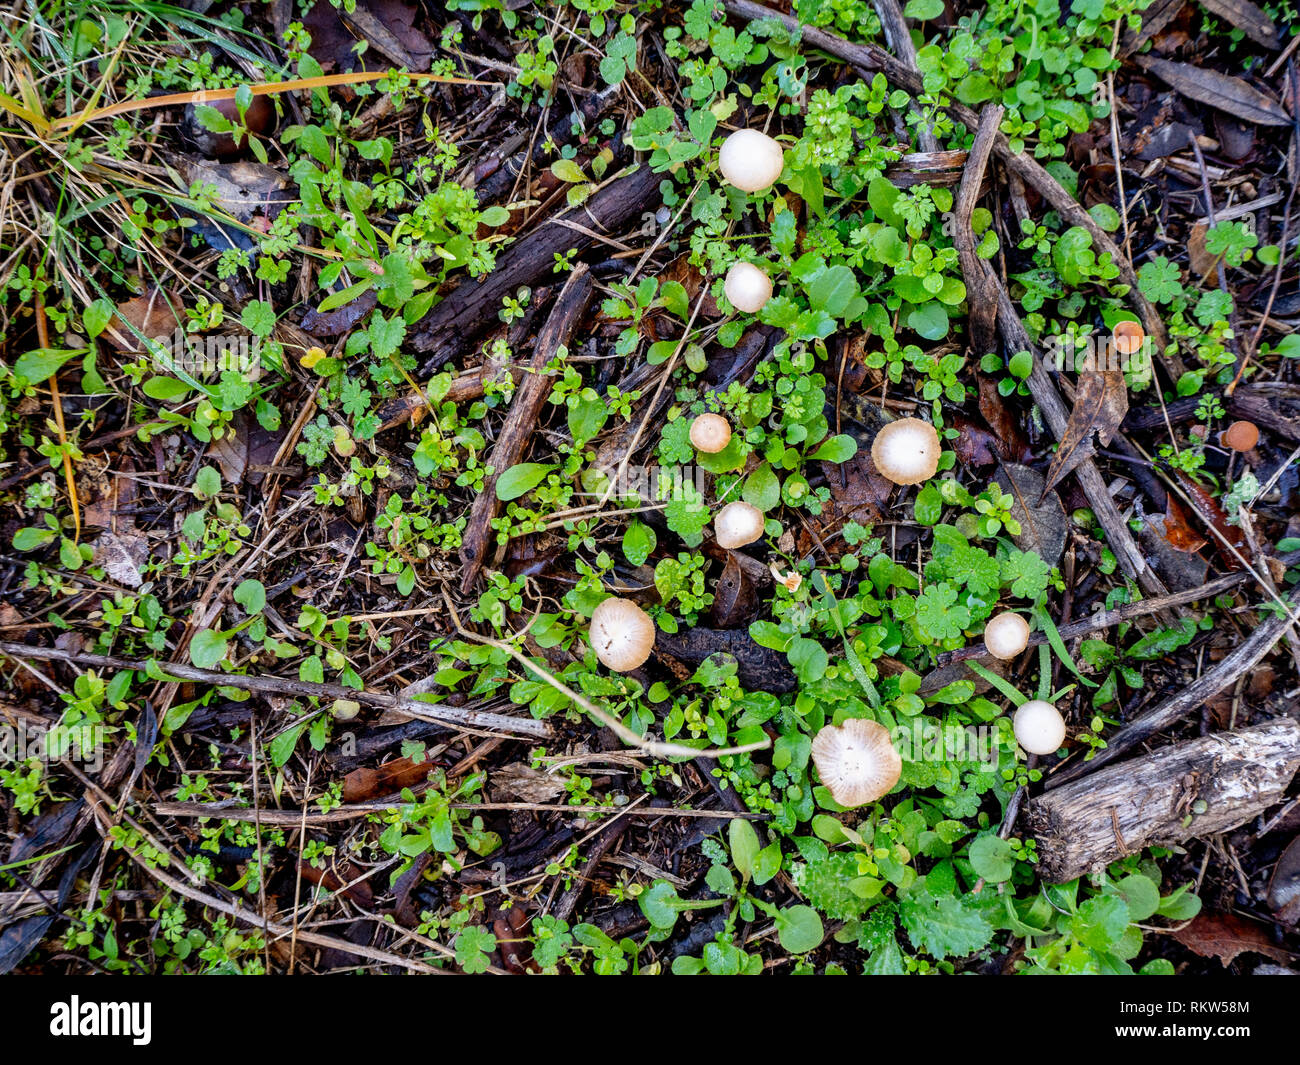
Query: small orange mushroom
pixel 1240 436
pixel 1128 337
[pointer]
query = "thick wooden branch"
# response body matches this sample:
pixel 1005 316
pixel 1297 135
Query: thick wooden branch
pixel 1189 790
pixel 473 305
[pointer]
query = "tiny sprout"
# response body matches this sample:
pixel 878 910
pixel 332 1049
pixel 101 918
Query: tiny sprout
pixel 1006 635
pixel 747 287
pixel 737 524
pixel 1240 436
pixel 857 761
pixel 750 160
pixel 710 433
pixel 906 451
pixel 621 634
pixel 1039 727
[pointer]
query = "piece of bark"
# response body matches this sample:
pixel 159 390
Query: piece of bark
pixel 473 305
pixel 1152 801
pixel 980 295
pixel 521 421
pixel 757 667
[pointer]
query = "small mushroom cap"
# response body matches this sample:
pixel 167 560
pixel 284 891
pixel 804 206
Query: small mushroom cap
pixel 1128 337
pixel 750 160
pixel 737 524
pixel 1039 727
pixel 857 761
pixel 906 451
pixel 747 287
pixel 1240 436
pixel 621 634
pixel 1006 635
pixel 710 433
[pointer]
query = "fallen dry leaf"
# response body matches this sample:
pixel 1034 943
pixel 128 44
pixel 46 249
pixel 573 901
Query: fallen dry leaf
pixel 1222 91
pixel 1043 525
pixel 735 602
pixel 150 315
pixel 1178 531
pixel 1100 403
pixel 1225 935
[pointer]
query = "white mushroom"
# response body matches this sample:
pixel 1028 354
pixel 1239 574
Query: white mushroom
pixel 857 761
pixel 1039 727
pixel 750 160
pixel 906 451
pixel 710 433
pixel 621 634
pixel 1006 635
pixel 747 287
pixel 737 524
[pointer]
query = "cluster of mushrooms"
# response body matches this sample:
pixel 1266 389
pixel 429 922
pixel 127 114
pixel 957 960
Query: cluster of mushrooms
pixel 857 761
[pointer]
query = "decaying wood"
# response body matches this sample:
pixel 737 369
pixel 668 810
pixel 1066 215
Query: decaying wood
pixel 872 58
pixel 758 667
pixel 521 421
pixel 453 716
pixel 981 295
pixel 473 305
pixel 1157 800
pixel 1238 662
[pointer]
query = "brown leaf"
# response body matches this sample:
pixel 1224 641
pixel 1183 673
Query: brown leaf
pixel 734 600
pixel 340 319
pixel 1100 403
pixel 1246 17
pixel 1203 264
pixel 1225 935
pixel 150 315
pixel 1284 885
pixel 366 783
pixel 230 450
pixel 1210 513
pixel 975 445
pixel 1043 526
pixel 1012 445
pixel 388 25
pixel 1181 536
pixel 1221 91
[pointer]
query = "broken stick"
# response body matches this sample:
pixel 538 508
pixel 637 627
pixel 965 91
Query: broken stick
pixel 1193 789
pixel 521 421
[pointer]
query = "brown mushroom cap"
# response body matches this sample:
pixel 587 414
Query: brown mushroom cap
pixel 857 761
pixel 1006 635
pixel 1240 436
pixel 621 634
pixel 1039 727
pixel 906 451
pixel 750 160
pixel 737 524
pixel 710 433
pixel 1128 337
pixel 747 287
